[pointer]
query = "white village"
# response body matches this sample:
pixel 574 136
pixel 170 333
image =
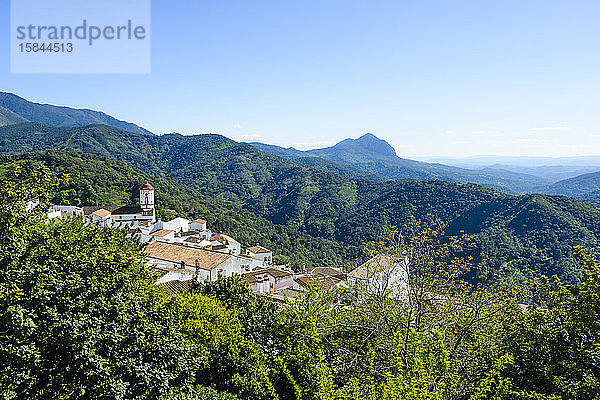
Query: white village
pixel 180 251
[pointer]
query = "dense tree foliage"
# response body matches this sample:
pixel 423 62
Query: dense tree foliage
pixel 80 318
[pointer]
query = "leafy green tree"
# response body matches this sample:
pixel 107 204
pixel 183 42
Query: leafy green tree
pixel 226 361
pixel 555 339
pixel 429 335
pixel 78 316
pixel 286 335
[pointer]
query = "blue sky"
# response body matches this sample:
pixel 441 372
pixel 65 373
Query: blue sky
pixel 434 78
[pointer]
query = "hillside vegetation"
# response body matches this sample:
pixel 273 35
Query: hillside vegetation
pixel 81 319
pixel 375 156
pixel 97 181
pixel 531 231
pixel 15 109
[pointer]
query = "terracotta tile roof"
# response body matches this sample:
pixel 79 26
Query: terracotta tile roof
pixel 146 186
pixel 87 210
pixel 200 221
pixel 162 232
pixel 309 282
pixel 328 271
pixel 258 250
pixel 275 273
pixel 101 213
pixel 176 286
pixel 177 253
pixel 285 295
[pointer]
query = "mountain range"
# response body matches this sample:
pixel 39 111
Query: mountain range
pixel 535 232
pixel 15 109
pixel 366 157
pixel 318 205
pixel 375 156
pixel 554 168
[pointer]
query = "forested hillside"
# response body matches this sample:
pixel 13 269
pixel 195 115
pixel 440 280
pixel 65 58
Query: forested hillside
pixel 375 156
pixel 15 109
pixel 81 318
pixel 531 231
pixel 577 186
pixel 97 181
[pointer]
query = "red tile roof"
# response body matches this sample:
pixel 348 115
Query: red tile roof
pixel 258 250
pixel 162 232
pixel 309 283
pixel 177 253
pixel 101 213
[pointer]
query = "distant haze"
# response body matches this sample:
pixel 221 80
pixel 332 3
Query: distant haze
pixel 524 161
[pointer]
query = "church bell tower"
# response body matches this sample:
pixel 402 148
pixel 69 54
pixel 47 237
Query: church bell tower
pixel 147 197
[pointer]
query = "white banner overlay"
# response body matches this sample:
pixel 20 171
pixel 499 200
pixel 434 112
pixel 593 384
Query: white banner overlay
pixel 80 37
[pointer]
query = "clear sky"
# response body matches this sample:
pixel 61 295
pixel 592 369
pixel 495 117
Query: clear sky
pixel 434 78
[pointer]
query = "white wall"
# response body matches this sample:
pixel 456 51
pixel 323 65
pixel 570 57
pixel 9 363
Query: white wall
pixel 265 258
pixel 229 267
pixel 197 226
pixel 70 210
pixel 169 238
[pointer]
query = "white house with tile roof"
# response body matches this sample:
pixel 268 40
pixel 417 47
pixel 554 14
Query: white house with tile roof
pixel 382 272
pixel 198 224
pixel 101 217
pixel 207 264
pixel 261 253
pixel 268 280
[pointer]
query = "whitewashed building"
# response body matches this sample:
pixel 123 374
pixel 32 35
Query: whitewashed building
pixel 261 253
pixel 69 210
pixel 164 235
pixel 269 280
pixel 31 204
pixel 101 217
pixel 207 264
pixel 382 273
